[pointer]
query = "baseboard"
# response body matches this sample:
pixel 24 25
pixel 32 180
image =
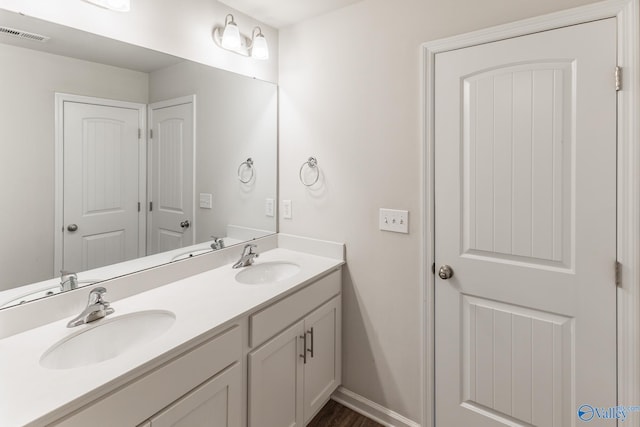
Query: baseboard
pixel 371 409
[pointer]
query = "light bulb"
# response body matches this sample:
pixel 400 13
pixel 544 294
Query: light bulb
pixel 231 36
pixel 260 49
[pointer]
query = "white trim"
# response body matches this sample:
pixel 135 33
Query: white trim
pixel 370 409
pixel 182 100
pixel 58 220
pixel 626 12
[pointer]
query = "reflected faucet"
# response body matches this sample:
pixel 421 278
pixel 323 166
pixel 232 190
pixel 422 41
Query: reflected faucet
pixel 218 243
pixel 96 308
pixel 68 280
pixel 247 257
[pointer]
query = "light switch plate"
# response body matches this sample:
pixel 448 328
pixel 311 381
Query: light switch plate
pixel 286 209
pixel 269 207
pixel 394 220
pixel 206 200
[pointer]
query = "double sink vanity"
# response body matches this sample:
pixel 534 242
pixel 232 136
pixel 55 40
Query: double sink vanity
pixel 256 345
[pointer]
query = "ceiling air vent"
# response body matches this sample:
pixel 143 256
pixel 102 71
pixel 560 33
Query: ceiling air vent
pixel 23 34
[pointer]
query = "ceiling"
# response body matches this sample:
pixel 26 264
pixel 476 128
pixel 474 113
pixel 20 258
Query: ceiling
pixel 282 13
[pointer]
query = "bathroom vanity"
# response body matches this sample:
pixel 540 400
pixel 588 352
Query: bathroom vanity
pixel 238 347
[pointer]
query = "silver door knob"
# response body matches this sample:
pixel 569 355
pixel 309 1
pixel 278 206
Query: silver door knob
pixel 445 272
pixel 72 227
pixel 185 224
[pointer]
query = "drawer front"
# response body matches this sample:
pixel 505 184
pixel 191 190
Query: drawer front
pixel 275 318
pixel 137 401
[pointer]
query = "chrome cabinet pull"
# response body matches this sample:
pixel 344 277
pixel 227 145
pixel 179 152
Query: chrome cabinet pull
pixel 185 224
pixel 304 348
pixel 310 350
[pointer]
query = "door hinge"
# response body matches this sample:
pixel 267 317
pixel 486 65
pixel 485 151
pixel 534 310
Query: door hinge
pixel 139 133
pixel 618 274
pixel 150 133
pixel 433 268
pixel 139 206
pixel 618 75
pixel 150 206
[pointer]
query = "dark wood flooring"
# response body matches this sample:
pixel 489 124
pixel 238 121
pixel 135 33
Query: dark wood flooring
pixel 334 414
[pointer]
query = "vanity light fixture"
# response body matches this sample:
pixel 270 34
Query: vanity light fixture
pixel 229 38
pixel 117 5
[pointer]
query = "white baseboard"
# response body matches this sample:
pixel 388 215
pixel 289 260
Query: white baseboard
pixel 371 409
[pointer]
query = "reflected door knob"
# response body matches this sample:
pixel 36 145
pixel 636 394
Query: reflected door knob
pixel 445 272
pixel 72 227
pixel 185 224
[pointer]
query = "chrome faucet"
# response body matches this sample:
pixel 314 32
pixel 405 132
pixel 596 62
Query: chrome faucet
pixel 218 243
pixel 247 257
pixel 96 308
pixel 68 280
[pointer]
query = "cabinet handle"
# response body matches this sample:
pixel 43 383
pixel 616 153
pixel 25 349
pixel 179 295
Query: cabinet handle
pixel 310 332
pixel 304 348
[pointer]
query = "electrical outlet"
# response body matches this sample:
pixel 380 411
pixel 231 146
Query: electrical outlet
pixel 286 209
pixel 394 220
pixel 269 207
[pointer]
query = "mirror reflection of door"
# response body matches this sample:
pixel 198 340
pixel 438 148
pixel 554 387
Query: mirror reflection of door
pixel 171 175
pixel 101 176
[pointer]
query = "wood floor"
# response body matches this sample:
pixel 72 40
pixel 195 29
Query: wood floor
pixel 334 414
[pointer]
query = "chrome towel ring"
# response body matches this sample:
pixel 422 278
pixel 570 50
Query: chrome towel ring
pixel 312 163
pixel 249 165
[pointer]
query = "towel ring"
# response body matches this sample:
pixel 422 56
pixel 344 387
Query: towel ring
pixel 248 164
pixel 313 164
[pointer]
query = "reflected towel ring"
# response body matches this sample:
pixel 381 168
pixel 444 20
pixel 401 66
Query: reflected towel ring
pixel 313 164
pixel 249 164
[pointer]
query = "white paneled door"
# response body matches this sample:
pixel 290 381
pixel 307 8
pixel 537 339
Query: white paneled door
pixel 171 175
pixel 101 185
pixel 525 216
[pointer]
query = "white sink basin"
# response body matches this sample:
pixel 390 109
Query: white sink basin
pixel 106 339
pixel 190 254
pixel 267 272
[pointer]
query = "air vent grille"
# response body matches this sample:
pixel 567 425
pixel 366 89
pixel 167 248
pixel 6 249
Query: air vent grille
pixel 23 34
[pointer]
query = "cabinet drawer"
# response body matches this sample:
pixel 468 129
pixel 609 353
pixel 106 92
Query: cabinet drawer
pixel 276 317
pixel 136 401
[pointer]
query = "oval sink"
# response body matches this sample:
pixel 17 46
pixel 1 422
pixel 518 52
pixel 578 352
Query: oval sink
pixel 267 272
pixel 107 339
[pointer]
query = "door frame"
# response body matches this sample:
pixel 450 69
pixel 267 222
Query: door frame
pixel 628 184
pixel 58 219
pixel 187 99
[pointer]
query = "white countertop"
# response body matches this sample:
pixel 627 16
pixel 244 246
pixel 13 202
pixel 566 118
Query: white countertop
pixel 33 395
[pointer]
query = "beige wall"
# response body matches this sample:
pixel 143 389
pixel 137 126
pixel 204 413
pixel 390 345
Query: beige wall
pixel 28 83
pixel 236 118
pixel 350 95
pixel 182 28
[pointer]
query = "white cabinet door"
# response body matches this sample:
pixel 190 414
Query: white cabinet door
pixel 322 372
pixel 275 381
pixel 215 403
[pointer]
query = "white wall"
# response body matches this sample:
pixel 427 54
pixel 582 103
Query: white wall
pixel 28 82
pixel 236 118
pixel 182 28
pixel 350 95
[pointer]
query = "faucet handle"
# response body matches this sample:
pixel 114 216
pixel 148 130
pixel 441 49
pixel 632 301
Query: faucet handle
pixel 248 249
pixel 95 296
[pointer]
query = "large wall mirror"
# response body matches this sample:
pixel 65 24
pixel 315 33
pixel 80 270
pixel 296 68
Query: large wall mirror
pixel 116 158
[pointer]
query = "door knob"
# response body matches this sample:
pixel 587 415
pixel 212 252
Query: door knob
pixel 185 224
pixel 445 272
pixel 72 227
